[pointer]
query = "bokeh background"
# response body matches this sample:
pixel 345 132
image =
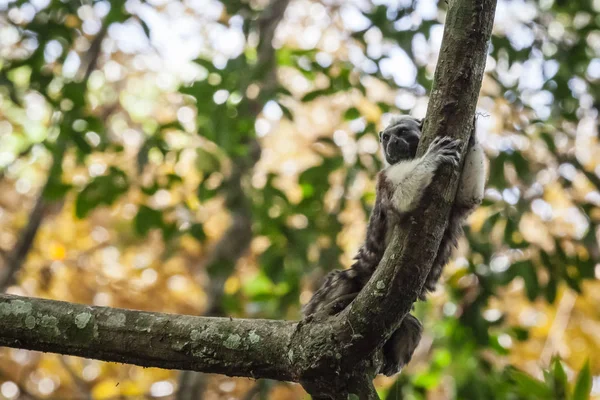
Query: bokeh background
pixel 218 158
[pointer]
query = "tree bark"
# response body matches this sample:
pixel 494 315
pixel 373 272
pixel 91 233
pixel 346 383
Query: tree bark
pixel 236 347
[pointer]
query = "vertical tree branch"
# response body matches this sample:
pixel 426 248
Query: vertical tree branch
pixel 16 258
pixel 235 241
pixel 389 295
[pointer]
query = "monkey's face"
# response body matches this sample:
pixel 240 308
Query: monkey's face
pixel 400 139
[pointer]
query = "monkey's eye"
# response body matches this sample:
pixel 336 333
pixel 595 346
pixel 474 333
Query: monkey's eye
pixel 385 136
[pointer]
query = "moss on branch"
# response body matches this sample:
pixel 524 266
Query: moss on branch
pixel 237 347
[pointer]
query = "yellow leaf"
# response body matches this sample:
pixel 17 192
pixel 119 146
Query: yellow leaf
pixel 106 389
pixel 131 389
pixel 232 285
pixel 583 253
pixel 193 203
pixel 58 252
pixel 72 21
pixel 517 237
pixel 370 111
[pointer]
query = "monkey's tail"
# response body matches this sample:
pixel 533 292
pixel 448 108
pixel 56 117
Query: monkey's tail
pixel 448 244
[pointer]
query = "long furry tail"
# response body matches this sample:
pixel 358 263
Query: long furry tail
pixel 449 242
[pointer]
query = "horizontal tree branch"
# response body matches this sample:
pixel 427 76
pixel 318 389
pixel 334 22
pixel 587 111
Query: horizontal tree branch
pixel 235 347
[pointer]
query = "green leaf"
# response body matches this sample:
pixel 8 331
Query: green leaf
pixel 286 112
pixel 197 231
pixel 154 141
pixel 117 12
pixel 489 224
pixel 205 193
pixel 428 380
pixel 509 229
pixel 146 219
pixel 314 94
pixel 520 334
pixel 384 107
pixel 173 179
pixel 56 189
pixel 497 178
pixel 530 386
pixel 210 67
pixel 145 28
pixel 172 125
pixel 551 289
pixel 75 91
pixel 583 383
pixel 207 161
pixel 521 164
pixel 549 140
pixel 561 383
pixel 259 285
pixel 351 113
pixel 150 190
pixel 169 231
pixel 527 271
pixel 81 143
pixel 9 85
pixel 101 190
pixel 494 343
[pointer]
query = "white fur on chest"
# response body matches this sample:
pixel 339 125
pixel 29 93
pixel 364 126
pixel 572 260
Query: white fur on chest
pixel 397 173
pixel 409 179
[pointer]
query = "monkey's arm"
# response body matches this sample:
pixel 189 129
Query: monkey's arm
pixel 409 179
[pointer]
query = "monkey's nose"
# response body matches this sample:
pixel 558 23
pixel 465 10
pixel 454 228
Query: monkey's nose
pixel 397 146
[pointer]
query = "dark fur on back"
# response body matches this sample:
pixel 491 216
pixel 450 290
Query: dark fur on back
pixel 341 283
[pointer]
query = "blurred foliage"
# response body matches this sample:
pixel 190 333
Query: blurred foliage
pixel 136 121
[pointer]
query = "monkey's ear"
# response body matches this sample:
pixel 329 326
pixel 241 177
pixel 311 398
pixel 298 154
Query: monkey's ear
pixel 420 122
pixel 379 135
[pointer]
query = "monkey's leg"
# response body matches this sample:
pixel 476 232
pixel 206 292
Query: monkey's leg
pixel 336 305
pixel 398 350
pixel 333 295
